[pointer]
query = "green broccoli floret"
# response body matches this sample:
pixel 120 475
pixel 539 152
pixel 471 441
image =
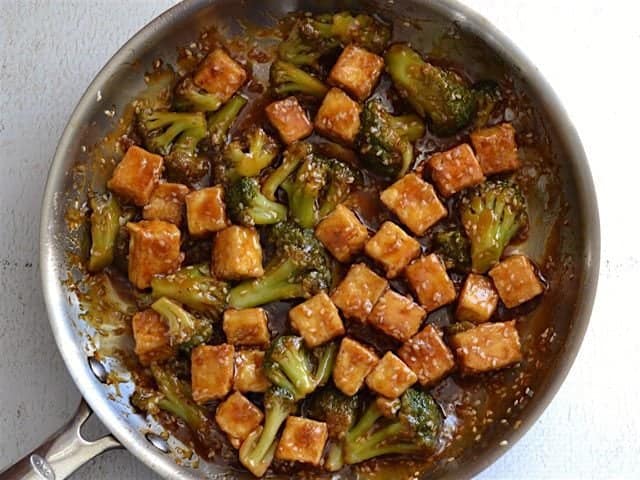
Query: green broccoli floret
pixel 438 94
pixel 176 136
pixel 257 451
pixel 248 206
pixel 304 190
pixel 287 79
pixel 158 95
pixel 193 98
pixel 489 96
pixel 340 181
pixel 194 287
pixel 220 122
pixel 185 330
pixel 414 430
pixel 386 141
pixel 492 214
pixel 247 157
pixel 105 227
pixel 299 268
pixel 289 364
pixel 293 156
pixel 453 246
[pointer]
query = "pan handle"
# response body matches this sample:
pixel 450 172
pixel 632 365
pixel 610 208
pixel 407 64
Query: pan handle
pixel 62 453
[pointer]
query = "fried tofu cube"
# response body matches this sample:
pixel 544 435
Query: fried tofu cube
pixel 415 203
pixel 516 280
pixel 496 148
pixel 392 248
pixel 302 440
pixel 391 376
pixel 342 233
pixel 317 320
pixel 428 279
pixel 237 254
pixel 358 292
pixel 489 346
pixel 455 170
pixel 151 335
pixel 478 299
pixel 206 211
pixel 248 326
pixel 357 71
pixel 353 363
pixel 290 119
pixel 338 117
pixel 238 417
pixel 397 316
pixel 166 203
pixel 249 375
pixel 154 249
pixel 211 372
pixel 220 74
pixel 136 176
pixel 428 356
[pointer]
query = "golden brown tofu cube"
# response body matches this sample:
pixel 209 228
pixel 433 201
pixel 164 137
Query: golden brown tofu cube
pixel 237 254
pixel 428 278
pixel 220 74
pixel 392 248
pixel 353 363
pixel 154 249
pixel 211 372
pixel 136 176
pixel 489 346
pixel 250 376
pixel 248 326
pixel 166 203
pixel 357 71
pixel 238 417
pixel 428 356
pixel 516 280
pixel 290 119
pixel 342 233
pixel 397 316
pixel 338 117
pixel 358 292
pixel 415 203
pixel 317 320
pixel 151 334
pixel 206 211
pixel 391 377
pixel 496 148
pixel 455 170
pixel 478 299
pixel 302 440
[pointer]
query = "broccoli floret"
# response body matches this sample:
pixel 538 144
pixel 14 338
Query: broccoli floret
pixel 293 156
pixel 289 364
pixel 414 430
pixel 385 140
pixel 287 79
pixel 257 451
pixel 492 214
pixel 247 157
pixel 489 96
pixel 191 97
pixel 220 122
pixel 105 227
pixel 341 179
pixel 185 330
pixel 299 268
pixel 304 190
pixel 248 206
pixel 453 246
pixel 438 94
pixel 195 288
pixel 159 92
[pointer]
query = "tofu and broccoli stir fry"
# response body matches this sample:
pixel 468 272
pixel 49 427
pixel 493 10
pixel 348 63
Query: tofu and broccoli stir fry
pixel 305 275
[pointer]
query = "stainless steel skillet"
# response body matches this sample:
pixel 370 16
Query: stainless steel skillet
pixel 482 46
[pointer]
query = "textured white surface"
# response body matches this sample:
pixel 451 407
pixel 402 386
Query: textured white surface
pixel 588 50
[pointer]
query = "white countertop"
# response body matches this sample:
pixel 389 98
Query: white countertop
pixel 589 50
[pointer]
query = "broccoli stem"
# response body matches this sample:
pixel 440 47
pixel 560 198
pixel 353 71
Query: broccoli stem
pixel 364 424
pixel 325 364
pixel 220 122
pixel 274 285
pixel 105 226
pixel 181 323
pixel 287 79
pixel 368 452
pixel 410 127
pixel 294 367
pixel 266 212
pixel 292 158
pixel 335 457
